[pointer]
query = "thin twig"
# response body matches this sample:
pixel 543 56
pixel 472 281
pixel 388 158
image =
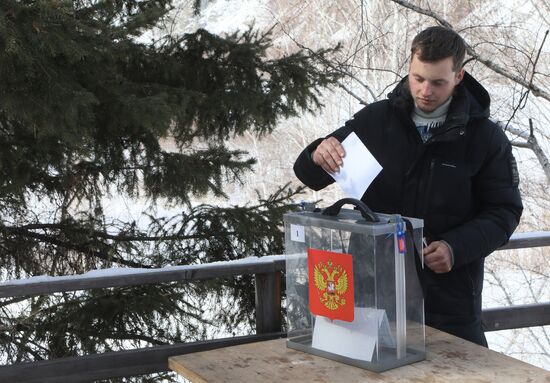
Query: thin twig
pixel 537 91
pixel 525 95
pixel 335 68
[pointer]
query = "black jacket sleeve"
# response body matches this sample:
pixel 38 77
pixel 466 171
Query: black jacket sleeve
pixel 498 202
pixel 314 176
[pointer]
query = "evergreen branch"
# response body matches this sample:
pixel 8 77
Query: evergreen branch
pixel 11 301
pixel 126 336
pixel 84 108
pixel 341 70
pixel 23 347
pixel 82 248
pixel 120 237
pixel 71 225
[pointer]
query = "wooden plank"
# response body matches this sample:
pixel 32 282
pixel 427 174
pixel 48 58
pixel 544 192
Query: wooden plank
pixel 449 359
pixel 268 303
pixel 114 364
pixel 197 272
pixel 526 240
pixel 520 316
pixel 185 273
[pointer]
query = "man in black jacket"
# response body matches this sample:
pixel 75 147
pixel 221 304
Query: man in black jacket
pixel 444 161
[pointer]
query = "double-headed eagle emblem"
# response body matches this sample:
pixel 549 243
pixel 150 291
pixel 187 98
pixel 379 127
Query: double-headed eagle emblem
pixel 333 287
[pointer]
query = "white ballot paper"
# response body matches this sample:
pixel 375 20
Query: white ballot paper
pixel 359 168
pixel 356 339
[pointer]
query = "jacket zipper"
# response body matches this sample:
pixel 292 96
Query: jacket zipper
pixel 427 189
pixel 467 270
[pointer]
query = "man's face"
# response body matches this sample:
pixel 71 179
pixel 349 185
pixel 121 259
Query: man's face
pixel 432 83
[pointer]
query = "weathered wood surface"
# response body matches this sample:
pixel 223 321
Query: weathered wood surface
pixel 267 264
pixel 526 240
pixel 92 368
pixel 268 302
pixel 519 316
pixel 449 359
pixel 264 265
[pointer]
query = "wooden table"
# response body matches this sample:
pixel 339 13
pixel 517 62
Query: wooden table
pixel 448 359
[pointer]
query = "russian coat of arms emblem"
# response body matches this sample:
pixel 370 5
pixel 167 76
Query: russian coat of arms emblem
pixel 332 281
pixel 331 284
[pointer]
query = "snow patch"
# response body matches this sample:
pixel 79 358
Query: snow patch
pixel 123 271
pixel 228 16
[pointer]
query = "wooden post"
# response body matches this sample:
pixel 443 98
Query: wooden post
pixel 268 302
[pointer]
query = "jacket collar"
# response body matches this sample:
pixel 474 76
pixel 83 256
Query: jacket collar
pixel 470 101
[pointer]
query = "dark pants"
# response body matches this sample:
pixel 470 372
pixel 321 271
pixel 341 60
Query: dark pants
pixel 472 332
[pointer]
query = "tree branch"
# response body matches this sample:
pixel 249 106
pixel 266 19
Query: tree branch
pixel 83 248
pixel 120 237
pixel 541 156
pixel 335 68
pixel 354 95
pixel 524 96
pixel 537 91
pixel 523 145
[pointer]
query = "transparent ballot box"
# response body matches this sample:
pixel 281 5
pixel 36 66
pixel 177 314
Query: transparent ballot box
pixel 352 288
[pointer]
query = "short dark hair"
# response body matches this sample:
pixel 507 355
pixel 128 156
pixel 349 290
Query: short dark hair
pixel 438 43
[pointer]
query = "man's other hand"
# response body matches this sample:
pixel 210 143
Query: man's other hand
pixel 329 154
pixel 437 256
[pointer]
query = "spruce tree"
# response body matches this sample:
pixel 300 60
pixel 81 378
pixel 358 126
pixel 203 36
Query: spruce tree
pixel 84 104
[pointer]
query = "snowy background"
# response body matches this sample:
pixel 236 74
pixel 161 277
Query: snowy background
pixel 512 277
pixel 375 37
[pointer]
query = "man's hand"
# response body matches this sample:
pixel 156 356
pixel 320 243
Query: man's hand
pixel 437 256
pixel 329 154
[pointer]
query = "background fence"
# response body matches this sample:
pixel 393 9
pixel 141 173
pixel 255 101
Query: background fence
pixel 268 273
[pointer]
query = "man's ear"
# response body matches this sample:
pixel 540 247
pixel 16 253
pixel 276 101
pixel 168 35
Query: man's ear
pixel 459 76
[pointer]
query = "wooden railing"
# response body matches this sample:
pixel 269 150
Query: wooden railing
pixel 268 274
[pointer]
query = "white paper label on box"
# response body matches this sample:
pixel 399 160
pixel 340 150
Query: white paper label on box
pixel 297 233
pixel 357 339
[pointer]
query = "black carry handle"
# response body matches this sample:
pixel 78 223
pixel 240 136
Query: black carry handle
pixel 366 212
